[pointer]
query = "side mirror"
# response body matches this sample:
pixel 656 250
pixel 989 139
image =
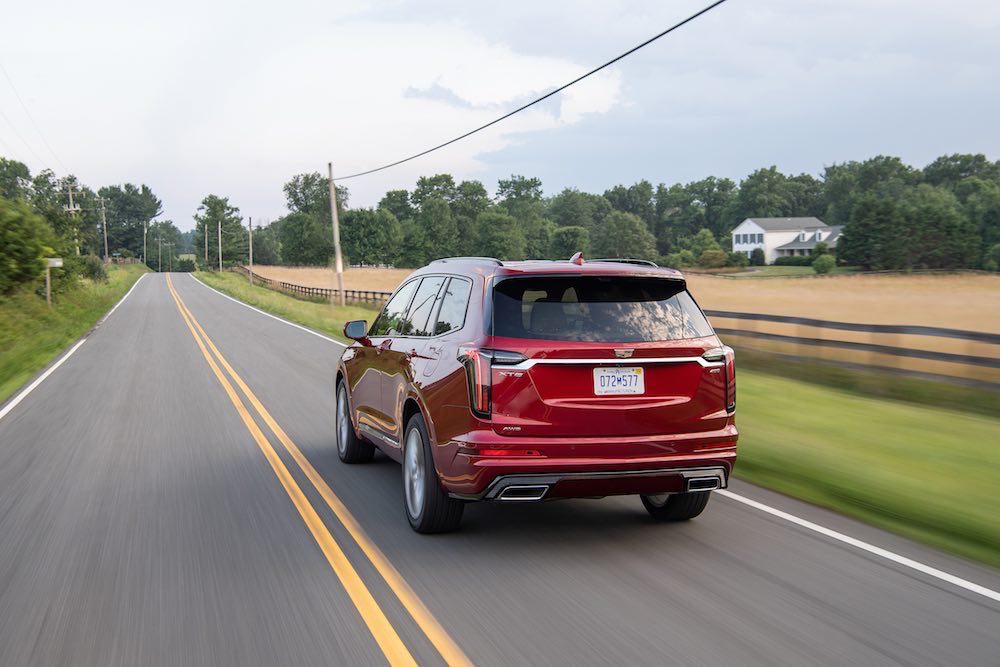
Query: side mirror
pixel 356 330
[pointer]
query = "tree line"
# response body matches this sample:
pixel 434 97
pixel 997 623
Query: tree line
pixel 945 215
pixel 35 223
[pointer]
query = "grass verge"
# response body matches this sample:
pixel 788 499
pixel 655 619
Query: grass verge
pixel 32 334
pixel 926 473
pixel 929 474
pixel 318 315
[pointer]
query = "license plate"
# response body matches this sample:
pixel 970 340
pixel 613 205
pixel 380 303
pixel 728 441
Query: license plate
pixel 619 380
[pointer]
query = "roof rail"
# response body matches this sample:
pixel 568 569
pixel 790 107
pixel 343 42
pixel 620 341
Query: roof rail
pixel 625 260
pixel 468 259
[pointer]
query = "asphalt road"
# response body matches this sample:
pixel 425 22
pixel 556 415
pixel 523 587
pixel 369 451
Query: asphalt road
pixel 141 522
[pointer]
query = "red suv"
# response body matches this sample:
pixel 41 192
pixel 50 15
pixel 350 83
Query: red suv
pixel 526 381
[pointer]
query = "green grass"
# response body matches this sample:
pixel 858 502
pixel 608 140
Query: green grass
pixel 32 334
pixel 318 315
pixel 926 473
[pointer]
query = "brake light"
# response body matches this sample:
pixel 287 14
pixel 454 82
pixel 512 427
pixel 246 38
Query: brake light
pixel 730 379
pixel 478 373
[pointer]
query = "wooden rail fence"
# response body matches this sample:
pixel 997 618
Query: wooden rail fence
pixel 372 297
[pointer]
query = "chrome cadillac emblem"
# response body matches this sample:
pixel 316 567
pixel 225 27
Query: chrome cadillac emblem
pixel 624 353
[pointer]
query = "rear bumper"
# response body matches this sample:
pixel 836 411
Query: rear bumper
pixel 576 468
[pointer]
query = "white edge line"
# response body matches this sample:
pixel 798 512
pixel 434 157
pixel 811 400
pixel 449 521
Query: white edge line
pixel 865 546
pixel 51 369
pixel 273 317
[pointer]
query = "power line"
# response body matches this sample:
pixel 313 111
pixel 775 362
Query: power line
pixel 31 118
pixel 21 137
pixel 543 97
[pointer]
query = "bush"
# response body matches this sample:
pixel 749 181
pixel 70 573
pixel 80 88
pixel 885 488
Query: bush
pixel 681 259
pixel 185 265
pixel 821 248
pixel 824 264
pixel 24 239
pixel 757 257
pixel 737 259
pixel 712 259
pixel 92 267
pixel 794 261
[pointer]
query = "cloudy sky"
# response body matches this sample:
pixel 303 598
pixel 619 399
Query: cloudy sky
pixel 233 98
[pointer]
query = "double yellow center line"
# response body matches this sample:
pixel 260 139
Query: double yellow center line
pixel 379 626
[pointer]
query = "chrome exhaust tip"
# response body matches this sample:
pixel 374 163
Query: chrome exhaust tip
pixel 703 483
pixel 524 493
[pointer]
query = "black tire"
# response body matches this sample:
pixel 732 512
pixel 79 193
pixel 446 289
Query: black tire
pixel 350 448
pixel 434 511
pixel 676 506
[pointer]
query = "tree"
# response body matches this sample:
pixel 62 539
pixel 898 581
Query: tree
pixel 763 194
pixel 441 231
pixel 569 240
pixel 821 248
pixel 572 208
pixel 15 179
pixel 305 240
pixel 941 237
pixel 130 209
pixel 24 241
pixel 636 199
pixel 213 212
pixel 469 201
pixel 397 202
pixel 757 257
pixel 371 236
pixel 824 264
pixel 624 235
pixel 702 241
pixel 266 246
pixel 415 250
pixel 441 186
pixel 501 236
pixel 874 237
pixel 310 193
pixel 950 170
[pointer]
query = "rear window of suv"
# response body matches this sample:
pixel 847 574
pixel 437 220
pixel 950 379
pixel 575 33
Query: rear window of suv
pixel 598 309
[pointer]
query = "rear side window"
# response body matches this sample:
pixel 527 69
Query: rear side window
pixel 599 309
pixel 451 317
pixel 423 304
pixel 390 322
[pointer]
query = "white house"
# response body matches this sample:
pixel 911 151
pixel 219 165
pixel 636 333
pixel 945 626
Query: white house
pixel 783 237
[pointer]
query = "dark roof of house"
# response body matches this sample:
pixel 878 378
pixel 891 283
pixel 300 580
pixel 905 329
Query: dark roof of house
pixel 810 242
pixel 787 224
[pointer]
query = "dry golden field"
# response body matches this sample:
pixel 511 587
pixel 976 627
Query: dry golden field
pixel 955 301
pixel 380 280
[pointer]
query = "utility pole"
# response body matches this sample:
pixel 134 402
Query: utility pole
pixel 220 245
pixel 251 251
pixel 104 224
pixel 73 209
pixel 338 260
pixel 145 226
pixel 206 245
pixel 159 249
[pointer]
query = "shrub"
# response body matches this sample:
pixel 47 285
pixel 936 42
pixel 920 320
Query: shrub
pixel 24 239
pixel 92 267
pixel 184 265
pixel 819 249
pixel 794 261
pixel 737 259
pixel 757 257
pixel 824 264
pixel 681 259
pixel 712 259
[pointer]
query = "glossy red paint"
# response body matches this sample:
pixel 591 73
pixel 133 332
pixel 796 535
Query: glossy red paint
pixel 544 416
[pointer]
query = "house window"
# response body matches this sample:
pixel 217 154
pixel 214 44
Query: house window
pixel 802 236
pixel 760 238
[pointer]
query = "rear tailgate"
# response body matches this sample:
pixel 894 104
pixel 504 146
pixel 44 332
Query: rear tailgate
pixel 604 356
pixel 559 393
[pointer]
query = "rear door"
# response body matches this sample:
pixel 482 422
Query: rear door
pixel 604 356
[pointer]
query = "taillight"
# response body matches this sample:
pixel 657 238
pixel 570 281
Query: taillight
pixel 726 355
pixel 478 372
pixel 730 379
